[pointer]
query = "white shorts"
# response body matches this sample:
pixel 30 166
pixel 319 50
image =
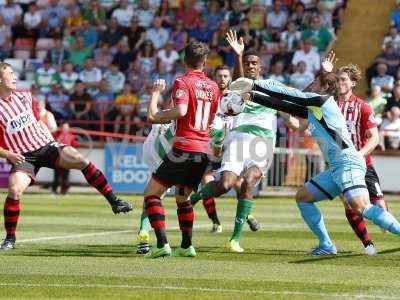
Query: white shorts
pixel 150 156
pixel 243 150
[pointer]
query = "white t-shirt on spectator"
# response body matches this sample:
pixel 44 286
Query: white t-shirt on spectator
pixel 157 37
pixel 115 81
pixel 301 80
pixel 168 61
pixel 32 20
pixel 90 76
pixel 68 81
pixel 145 17
pixel 393 132
pixel 276 20
pixel 10 13
pixel 312 60
pixel 123 16
pixel 386 80
pixel 395 41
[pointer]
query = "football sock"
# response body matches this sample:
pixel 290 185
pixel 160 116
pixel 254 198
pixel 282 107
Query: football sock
pixel 243 209
pixel 312 216
pixel 357 222
pixel 185 218
pixel 209 205
pixel 382 218
pixel 144 222
pixel 97 180
pixel 204 193
pixel 156 214
pixel 11 216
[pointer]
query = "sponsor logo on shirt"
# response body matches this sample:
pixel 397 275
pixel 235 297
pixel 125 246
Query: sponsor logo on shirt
pixel 19 122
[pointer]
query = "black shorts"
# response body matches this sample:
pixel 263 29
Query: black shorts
pixel 48 156
pixel 182 169
pixel 372 182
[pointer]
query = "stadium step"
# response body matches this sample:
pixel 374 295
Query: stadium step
pixel 359 40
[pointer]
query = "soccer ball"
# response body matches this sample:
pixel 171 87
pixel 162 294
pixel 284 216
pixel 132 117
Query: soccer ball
pixel 232 104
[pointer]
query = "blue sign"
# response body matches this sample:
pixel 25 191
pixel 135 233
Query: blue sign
pixel 125 168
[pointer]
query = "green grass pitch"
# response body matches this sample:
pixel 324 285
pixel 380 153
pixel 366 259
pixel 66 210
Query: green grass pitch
pixel 73 247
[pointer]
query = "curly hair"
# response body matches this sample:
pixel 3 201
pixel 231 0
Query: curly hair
pixel 352 71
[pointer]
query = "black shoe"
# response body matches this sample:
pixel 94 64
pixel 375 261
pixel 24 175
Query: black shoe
pixel 7 244
pixel 253 223
pixel 121 206
pixel 143 248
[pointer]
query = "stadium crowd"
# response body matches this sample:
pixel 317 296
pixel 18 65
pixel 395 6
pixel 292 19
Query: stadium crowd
pixel 93 62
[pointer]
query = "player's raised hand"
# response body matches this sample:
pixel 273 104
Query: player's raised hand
pixel 329 62
pixel 159 86
pixel 15 158
pixel 237 45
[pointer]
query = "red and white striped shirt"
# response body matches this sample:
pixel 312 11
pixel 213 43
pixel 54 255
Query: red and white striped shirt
pixel 359 117
pixel 20 131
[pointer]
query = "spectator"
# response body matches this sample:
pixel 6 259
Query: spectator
pixel 165 14
pixel 81 106
pixel 324 14
pixel 393 37
pixel 300 16
pixel 32 21
pixel 377 103
pixel 5 39
pixel 11 12
pixel 188 14
pixel 115 79
pixel 113 34
pixel 124 56
pixel 123 14
pixel 68 78
pixel 68 40
pixel 161 72
pixel 214 59
pixel 234 16
pixel 79 53
pixel 103 57
pixel 395 16
pixel 201 32
pixel 291 36
pixel 337 18
pixel 220 43
pixel 319 35
pixel 95 14
pixel 213 15
pixel 135 77
pixel 57 101
pixel 168 56
pixel 103 99
pixel 89 34
pixel 156 34
pixel 277 73
pixel 57 55
pixel 74 19
pixel 90 76
pixel 144 14
pixel 283 55
pixel 389 57
pixel 54 18
pixel 249 35
pixel 135 34
pixel 36 94
pixel 386 82
pixel 277 18
pixel 390 129
pixel 45 77
pixel 46 116
pixel 143 102
pixel 256 16
pixel 126 105
pixel 179 36
pixel 61 176
pixel 301 78
pixel 309 56
pixel 147 58
pixel 394 100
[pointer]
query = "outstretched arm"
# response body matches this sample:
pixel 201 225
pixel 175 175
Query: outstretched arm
pixel 238 48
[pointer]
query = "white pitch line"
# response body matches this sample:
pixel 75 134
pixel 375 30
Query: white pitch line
pixel 214 290
pixel 83 235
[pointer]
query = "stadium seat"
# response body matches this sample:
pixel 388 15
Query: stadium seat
pixel 42 3
pixel 44 44
pixel 24 44
pixel 41 54
pixel 24 84
pixel 17 65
